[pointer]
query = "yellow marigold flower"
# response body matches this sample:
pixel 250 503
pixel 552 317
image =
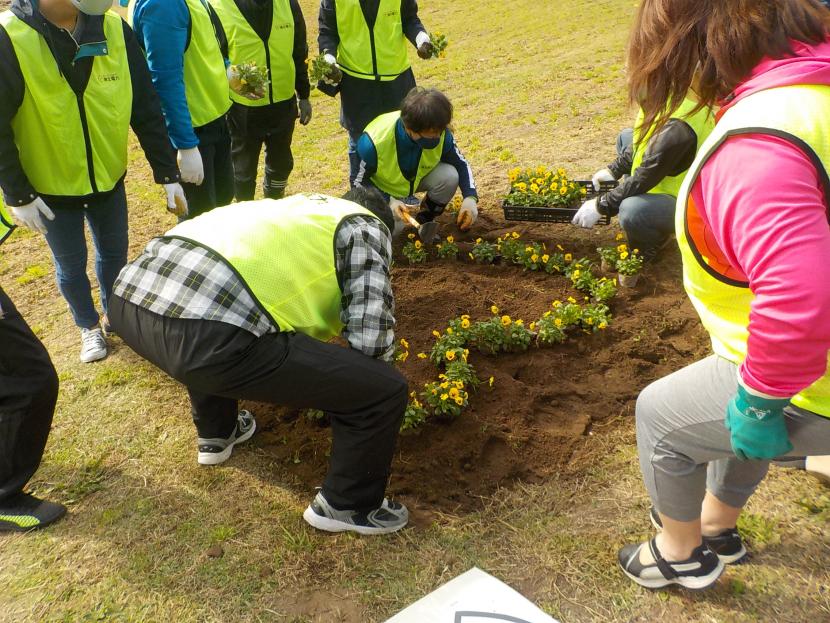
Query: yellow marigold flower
pixel 404 343
pixel 450 239
pixel 435 333
pixel 490 382
pixel 619 236
pixel 450 355
pixel 459 401
pixel 494 309
pixel 422 355
pixel 411 236
pixel 545 258
pixel 465 324
pixel 418 244
pixel 444 397
pixel 557 322
pixel 505 321
pixel 568 257
pixel 624 255
pixel 534 258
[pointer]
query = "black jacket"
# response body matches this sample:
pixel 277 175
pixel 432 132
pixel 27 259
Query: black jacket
pixel 329 39
pixel 669 152
pixel 146 119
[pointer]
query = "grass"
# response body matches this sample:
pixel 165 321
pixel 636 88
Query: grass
pixel 533 82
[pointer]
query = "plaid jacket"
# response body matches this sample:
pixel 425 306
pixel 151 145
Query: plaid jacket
pixel 178 279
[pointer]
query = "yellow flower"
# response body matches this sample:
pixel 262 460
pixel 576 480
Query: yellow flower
pixel 465 324
pixel 512 177
pixel 546 314
pixel 515 235
pixel 560 172
pixel 478 240
pixel 534 258
pixel 444 385
pixel 532 326
pixel 559 246
pixel 435 333
pixel 520 322
pixel 465 316
pixel 589 320
pixel 444 397
pixel 556 304
pixel 404 343
pixel 505 321
pixel 403 356
pixel 422 355
pixel 471 256
pixel 583 191
pixel 418 244
pixel 623 255
pixel 563 190
pixel 459 401
pixel 458 384
pixel 545 258
pixel 449 331
pixel 619 236
pixel 602 325
pixel 411 236
pixel 450 355
pixel 540 170
pixel 622 248
pixel 528 249
pixel 554 187
pixel 571 299
pixel 450 239
pixel 636 250
pixel 490 382
pixel 575 274
pixel 521 186
pixel 568 257
pixel 534 187
pixel 454 392
pixel 494 309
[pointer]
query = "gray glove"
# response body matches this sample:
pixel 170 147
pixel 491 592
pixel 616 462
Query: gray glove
pixel 305 111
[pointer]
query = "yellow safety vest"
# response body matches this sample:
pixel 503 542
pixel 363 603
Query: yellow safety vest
pixel 283 250
pixel 377 55
pixel 275 54
pixel 205 76
pixel 701 123
pixel 798 114
pixel 389 177
pixel 72 145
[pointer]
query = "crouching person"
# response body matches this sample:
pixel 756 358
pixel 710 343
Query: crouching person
pixel 413 150
pixel 239 302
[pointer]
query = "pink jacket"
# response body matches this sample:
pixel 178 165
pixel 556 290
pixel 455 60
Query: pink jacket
pixel 763 199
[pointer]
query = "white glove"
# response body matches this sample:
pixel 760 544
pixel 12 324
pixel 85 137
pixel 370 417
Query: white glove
pixel 176 201
pixel 603 175
pixel 191 167
pixel 305 111
pixel 335 74
pixel 468 213
pixel 30 215
pixel 398 208
pixel 587 216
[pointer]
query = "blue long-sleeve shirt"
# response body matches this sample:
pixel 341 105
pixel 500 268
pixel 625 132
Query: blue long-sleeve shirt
pixel 162 28
pixel 409 155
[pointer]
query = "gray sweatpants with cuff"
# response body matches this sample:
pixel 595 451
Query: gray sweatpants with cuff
pixel 440 184
pixel 685 447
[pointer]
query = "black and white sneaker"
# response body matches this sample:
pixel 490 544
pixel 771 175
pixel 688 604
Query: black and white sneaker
pixel 25 512
pixel 728 545
pixel 215 451
pixel 699 571
pixel 388 517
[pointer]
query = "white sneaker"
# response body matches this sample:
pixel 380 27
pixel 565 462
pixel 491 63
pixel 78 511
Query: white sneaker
pixel 93 345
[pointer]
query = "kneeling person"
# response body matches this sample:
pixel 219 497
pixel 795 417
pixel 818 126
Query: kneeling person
pixel 238 304
pixel 413 150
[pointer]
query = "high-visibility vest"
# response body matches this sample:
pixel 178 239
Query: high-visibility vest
pixel 71 145
pixel 275 54
pixel 701 123
pixel 6 224
pixel 377 55
pixel 205 77
pixel 721 298
pixel 283 250
pixel 389 177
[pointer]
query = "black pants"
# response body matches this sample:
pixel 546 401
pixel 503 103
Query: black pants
pixel 251 128
pixel 219 364
pixel 217 187
pixel 28 392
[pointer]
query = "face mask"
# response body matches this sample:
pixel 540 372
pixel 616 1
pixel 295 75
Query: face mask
pixel 428 143
pixel 93 7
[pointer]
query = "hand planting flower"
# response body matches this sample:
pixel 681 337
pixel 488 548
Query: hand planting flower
pixel 322 70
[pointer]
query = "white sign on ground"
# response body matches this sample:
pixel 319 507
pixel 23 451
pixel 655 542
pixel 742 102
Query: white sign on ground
pixel 473 597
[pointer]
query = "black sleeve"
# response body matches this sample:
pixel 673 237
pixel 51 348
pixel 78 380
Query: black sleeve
pixel 221 37
pixel 300 54
pixel 147 120
pixel 13 180
pixel 670 152
pixel 410 21
pixel 622 165
pixel 328 39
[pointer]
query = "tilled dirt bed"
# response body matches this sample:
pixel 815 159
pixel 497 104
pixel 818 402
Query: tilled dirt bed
pixel 543 402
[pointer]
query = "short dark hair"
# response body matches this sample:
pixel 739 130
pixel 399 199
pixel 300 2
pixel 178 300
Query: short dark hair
pixel 426 109
pixel 374 201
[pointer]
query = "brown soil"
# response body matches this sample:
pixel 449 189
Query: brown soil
pixel 543 401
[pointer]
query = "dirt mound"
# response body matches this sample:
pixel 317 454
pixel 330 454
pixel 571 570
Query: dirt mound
pixel 542 402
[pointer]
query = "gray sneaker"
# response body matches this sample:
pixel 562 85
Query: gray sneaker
pixel 215 451
pixel 388 517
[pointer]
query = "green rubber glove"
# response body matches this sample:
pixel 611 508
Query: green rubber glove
pixel 757 426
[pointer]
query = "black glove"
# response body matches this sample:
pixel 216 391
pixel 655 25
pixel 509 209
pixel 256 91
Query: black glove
pixel 425 50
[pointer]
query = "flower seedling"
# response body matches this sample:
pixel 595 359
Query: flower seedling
pixel 250 80
pixel 543 187
pixel 447 249
pixel 414 251
pixel 483 252
pixel 439 43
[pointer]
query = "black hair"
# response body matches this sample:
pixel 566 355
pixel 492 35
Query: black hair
pixel 426 109
pixel 373 200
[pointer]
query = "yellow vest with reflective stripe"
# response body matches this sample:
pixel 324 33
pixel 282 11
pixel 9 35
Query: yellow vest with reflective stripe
pixel 6 224
pixel 701 123
pixel 798 114
pixel 377 55
pixel 283 250
pixel 389 177
pixel 276 54
pixel 53 126
pixel 205 77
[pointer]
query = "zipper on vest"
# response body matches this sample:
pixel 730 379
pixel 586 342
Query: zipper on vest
pixel 374 53
pixel 90 165
pixel 268 65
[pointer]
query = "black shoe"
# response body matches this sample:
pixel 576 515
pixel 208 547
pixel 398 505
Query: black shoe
pixel 699 571
pixel 216 451
pixel 25 512
pixel 388 517
pixel 728 545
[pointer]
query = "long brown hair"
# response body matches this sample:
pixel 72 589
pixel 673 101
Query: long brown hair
pixel 716 43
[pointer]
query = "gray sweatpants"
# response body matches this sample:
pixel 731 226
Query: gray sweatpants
pixel 440 184
pixel 684 445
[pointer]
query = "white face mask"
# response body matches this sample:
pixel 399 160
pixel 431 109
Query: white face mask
pixel 93 7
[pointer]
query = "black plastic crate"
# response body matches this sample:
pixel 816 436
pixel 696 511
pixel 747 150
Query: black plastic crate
pixel 556 215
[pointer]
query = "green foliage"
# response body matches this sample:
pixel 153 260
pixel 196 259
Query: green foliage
pixel 444 343
pixel 414 251
pixel 439 43
pixel 483 252
pixel 542 187
pixel 32 273
pixel 253 80
pixel 414 415
pixel 447 249
pixel 530 256
pixel 445 398
pixel 603 290
pixel 595 317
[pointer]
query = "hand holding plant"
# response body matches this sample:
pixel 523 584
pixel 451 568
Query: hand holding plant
pixel 248 80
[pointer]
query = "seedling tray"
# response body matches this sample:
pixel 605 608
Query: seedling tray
pixel 556 215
